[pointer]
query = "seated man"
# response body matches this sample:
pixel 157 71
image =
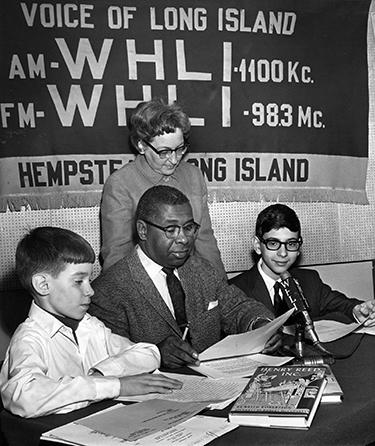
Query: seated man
pixel 134 296
pixel 278 241
pixel 61 359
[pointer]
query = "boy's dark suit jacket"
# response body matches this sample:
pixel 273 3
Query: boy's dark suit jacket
pixel 128 302
pixel 324 302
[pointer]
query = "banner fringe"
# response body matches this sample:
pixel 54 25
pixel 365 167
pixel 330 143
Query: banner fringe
pixel 50 201
pixel 92 199
pixel 288 195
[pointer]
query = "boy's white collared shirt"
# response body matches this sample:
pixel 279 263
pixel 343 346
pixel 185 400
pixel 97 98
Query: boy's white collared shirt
pixel 270 283
pixel 46 371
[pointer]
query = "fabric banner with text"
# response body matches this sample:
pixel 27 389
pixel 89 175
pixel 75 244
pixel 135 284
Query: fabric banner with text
pixel 276 90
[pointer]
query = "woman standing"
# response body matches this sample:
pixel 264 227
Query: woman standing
pixel 159 132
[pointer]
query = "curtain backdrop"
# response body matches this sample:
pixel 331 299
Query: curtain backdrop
pixel 276 90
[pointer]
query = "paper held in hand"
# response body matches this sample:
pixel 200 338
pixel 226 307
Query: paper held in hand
pixel 245 343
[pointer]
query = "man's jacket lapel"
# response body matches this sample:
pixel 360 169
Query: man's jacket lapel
pixel 148 291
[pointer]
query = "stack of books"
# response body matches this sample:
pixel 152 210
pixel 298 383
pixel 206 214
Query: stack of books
pixel 284 397
pixel 333 392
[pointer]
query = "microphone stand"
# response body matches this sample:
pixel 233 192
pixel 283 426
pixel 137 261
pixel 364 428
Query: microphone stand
pixel 299 340
pixel 304 326
pixel 302 357
pixel 300 348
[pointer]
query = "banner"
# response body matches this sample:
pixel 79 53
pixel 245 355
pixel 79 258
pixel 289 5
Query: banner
pixel 276 90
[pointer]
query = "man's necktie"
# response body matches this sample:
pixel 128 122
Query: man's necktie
pixel 279 304
pixel 178 297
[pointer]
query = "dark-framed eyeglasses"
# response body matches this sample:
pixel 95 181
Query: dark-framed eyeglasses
pixel 272 244
pixel 167 153
pixel 173 231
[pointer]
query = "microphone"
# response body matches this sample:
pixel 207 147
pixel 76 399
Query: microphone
pixel 314 360
pixel 297 300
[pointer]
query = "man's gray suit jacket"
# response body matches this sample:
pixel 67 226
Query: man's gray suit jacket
pixel 128 302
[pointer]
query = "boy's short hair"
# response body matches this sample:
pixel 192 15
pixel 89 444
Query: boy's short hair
pixel 277 216
pixel 48 250
pixel 155 117
pixel 150 202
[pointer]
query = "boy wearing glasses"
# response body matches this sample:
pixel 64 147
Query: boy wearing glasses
pixel 162 293
pixel 278 241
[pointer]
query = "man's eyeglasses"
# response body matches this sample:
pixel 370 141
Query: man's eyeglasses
pixel 273 244
pixel 173 231
pixel 167 153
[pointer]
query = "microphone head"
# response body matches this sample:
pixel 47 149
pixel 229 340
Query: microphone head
pixel 285 275
pixel 297 300
pixel 294 293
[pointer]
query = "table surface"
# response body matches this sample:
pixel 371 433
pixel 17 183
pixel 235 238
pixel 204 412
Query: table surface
pixel 351 423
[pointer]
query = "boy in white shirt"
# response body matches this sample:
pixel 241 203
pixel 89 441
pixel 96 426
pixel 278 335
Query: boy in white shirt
pixel 61 358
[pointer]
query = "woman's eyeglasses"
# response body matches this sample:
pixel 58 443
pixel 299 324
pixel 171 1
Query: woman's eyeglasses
pixel 167 153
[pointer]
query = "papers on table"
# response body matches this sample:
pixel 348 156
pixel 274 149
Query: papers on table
pixel 168 419
pixel 238 366
pixel 216 394
pixel 245 343
pixel 142 419
pixel 328 331
pixel 196 431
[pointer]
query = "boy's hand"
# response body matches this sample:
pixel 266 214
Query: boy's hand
pixel 147 383
pixel 365 310
pixel 175 353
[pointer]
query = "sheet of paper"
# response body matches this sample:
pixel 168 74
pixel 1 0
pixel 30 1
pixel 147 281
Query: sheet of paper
pixel 238 366
pixel 197 431
pixel 77 434
pixel 366 330
pixel 244 343
pixel 215 393
pixel 139 420
pixel 329 331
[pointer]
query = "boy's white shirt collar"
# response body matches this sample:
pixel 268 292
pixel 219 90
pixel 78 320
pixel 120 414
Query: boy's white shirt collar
pixel 270 283
pixel 49 322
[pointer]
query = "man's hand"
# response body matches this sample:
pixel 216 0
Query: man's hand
pixel 274 343
pixel 365 310
pixel 147 383
pixel 175 353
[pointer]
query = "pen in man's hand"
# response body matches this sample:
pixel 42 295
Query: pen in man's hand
pixel 185 331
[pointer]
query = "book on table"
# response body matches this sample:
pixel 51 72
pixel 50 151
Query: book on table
pixel 333 392
pixel 285 397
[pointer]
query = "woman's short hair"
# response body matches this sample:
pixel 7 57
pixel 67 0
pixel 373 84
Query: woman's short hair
pixel 155 117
